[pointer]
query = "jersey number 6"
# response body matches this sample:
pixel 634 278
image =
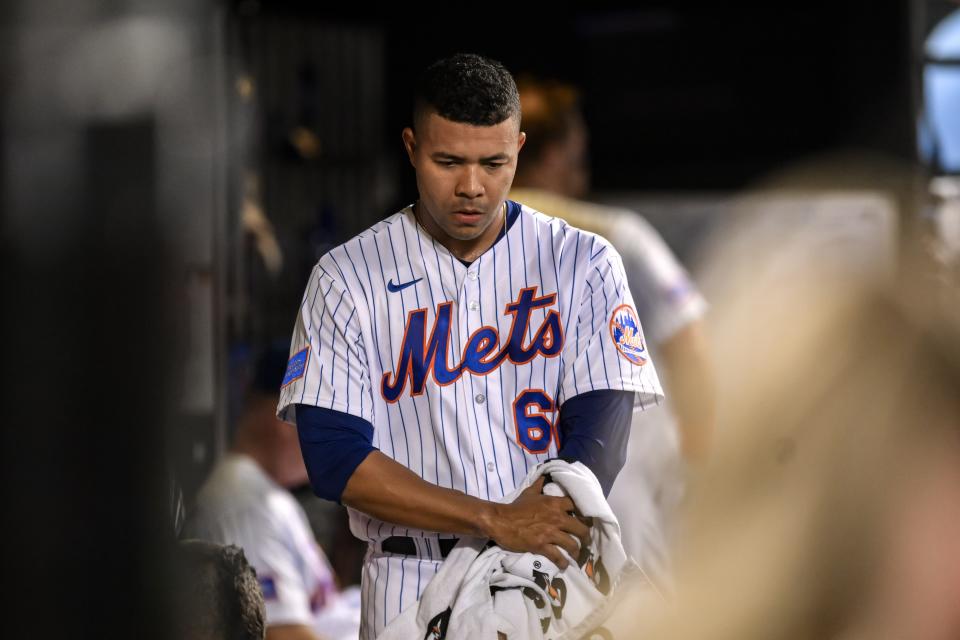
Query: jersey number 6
pixel 534 428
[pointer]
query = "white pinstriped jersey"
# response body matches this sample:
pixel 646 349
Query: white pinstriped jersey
pixel 462 369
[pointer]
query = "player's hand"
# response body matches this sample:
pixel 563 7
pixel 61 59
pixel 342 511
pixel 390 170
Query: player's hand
pixel 539 524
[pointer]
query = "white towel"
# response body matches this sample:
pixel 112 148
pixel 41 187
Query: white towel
pixel 482 589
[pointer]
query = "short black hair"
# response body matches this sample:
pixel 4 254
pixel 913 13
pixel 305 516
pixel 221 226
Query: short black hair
pixel 467 88
pixel 216 594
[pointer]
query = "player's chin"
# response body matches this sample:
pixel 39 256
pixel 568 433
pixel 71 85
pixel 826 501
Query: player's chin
pixel 466 232
pixel 467 229
pixel 465 220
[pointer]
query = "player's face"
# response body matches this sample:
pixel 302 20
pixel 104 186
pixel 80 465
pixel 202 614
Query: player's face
pixel 464 173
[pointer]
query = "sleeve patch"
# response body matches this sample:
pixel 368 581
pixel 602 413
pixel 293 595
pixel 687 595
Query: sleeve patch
pixel 268 587
pixel 627 336
pixel 296 367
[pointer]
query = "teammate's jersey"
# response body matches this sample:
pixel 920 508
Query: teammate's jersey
pixel 239 504
pixel 462 369
pixel 667 300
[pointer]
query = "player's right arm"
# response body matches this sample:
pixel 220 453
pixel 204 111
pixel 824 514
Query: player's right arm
pixel 344 466
pixel 534 522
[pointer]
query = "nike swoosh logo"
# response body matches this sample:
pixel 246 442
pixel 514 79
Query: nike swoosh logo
pixel 393 288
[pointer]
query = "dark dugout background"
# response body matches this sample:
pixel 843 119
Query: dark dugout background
pixel 93 281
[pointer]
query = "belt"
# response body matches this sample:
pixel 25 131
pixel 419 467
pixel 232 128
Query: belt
pixel 404 545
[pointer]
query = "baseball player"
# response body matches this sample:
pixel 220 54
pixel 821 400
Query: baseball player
pixel 245 502
pixel 446 350
pixel 552 176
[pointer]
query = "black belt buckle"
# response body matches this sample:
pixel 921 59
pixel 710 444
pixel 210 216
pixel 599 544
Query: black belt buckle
pixel 405 546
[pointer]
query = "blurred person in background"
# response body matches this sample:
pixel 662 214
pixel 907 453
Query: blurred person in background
pixel 215 594
pixel 246 502
pixel 553 175
pixel 830 507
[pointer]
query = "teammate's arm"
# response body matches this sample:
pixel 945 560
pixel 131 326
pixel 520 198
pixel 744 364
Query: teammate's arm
pixel 687 371
pixel 292 632
pixel 343 465
pixel 673 310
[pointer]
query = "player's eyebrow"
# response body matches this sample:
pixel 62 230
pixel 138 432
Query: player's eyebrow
pixel 443 155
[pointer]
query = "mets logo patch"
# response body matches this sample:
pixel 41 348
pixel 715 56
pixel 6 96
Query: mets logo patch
pixel 296 366
pixel 626 334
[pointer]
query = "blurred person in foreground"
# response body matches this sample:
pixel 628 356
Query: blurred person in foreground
pixel 215 594
pixel 553 175
pixel 830 507
pixel 246 501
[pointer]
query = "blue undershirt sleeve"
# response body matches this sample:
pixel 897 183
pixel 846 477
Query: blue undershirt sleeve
pixel 333 444
pixel 594 429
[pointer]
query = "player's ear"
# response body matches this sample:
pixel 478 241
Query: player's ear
pixel 409 142
pixel 521 139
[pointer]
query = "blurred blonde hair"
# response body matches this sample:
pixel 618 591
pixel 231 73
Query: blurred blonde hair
pixel 834 397
pixel 550 111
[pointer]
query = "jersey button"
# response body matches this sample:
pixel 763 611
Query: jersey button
pixel 474 305
pixel 480 398
pixel 472 275
pixel 490 467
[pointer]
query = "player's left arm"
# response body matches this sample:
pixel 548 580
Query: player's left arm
pixel 594 429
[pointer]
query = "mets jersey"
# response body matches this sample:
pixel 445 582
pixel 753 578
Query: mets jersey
pixel 462 369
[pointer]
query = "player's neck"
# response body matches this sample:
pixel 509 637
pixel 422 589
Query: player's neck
pixel 463 250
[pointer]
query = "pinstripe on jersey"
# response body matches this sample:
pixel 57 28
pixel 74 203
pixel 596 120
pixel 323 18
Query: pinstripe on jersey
pixel 461 369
